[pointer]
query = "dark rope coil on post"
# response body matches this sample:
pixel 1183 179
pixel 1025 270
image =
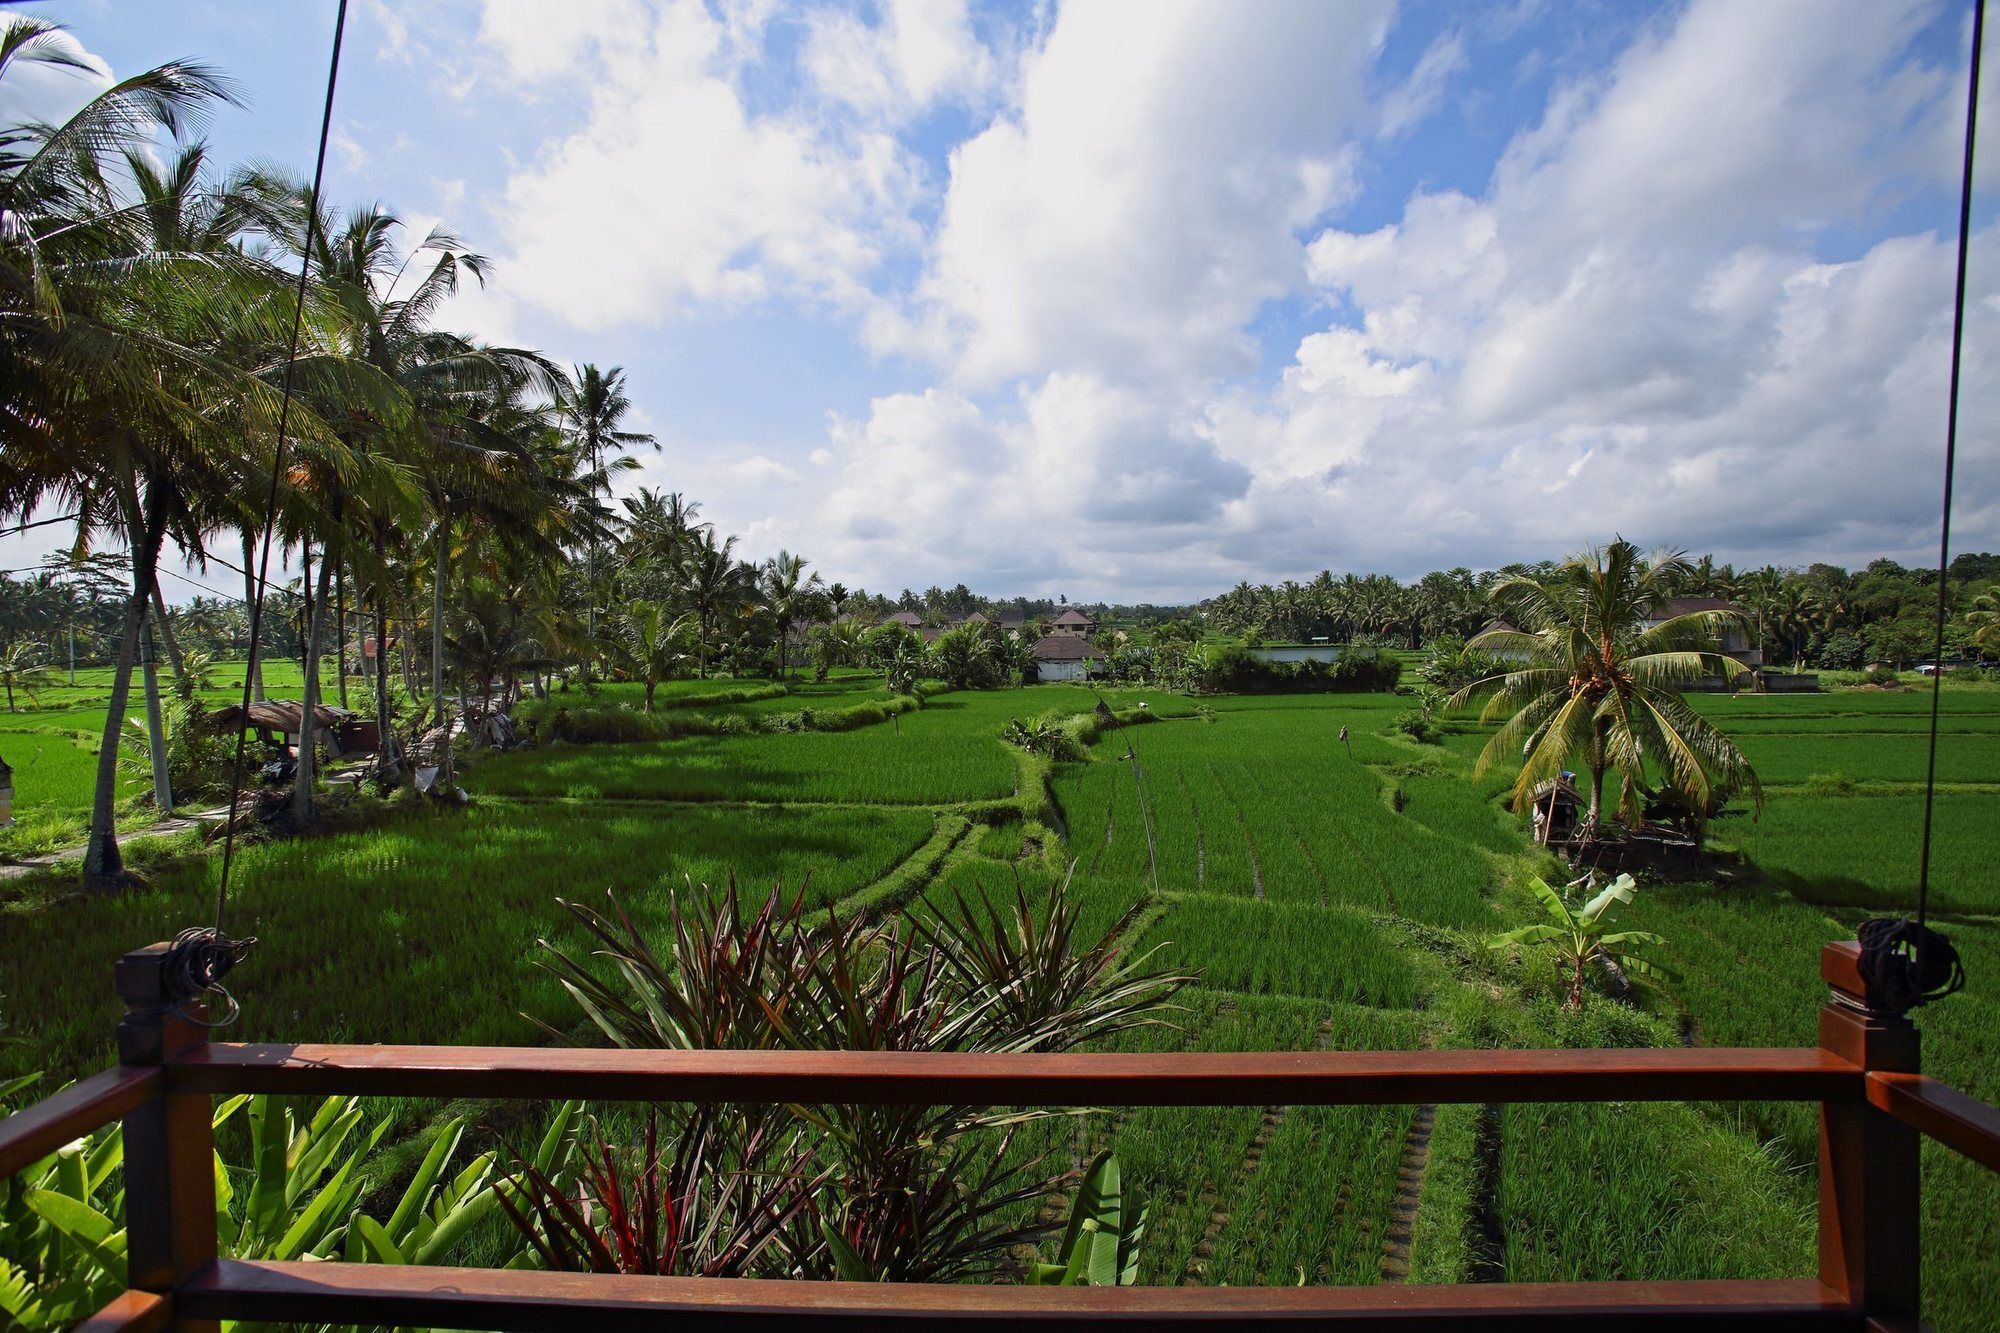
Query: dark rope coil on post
pixel 195 964
pixel 1905 964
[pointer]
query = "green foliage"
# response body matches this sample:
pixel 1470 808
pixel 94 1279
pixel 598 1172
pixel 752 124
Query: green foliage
pixel 1580 940
pixel 1107 1224
pixel 1232 669
pixel 62 1244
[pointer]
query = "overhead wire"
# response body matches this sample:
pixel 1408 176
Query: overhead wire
pixel 1904 963
pixel 1950 461
pixel 278 456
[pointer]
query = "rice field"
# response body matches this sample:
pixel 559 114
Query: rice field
pixel 1332 895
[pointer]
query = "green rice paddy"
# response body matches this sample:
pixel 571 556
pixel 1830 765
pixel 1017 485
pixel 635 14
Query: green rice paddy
pixel 1333 897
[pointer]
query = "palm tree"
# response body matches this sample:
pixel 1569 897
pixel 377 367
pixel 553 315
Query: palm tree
pixel 126 395
pixel 713 582
pixel 1984 617
pixel 1596 680
pixel 591 407
pixel 659 525
pixel 790 595
pixel 21 669
pixel 652 643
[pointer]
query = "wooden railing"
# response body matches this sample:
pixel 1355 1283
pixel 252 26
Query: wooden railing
pixel 1874 1104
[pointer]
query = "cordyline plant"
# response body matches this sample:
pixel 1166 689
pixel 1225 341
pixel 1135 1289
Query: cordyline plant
pixel 881 1193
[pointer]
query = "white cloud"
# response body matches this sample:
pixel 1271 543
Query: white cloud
pixel 674 195
pixel 760 470
pixel 1417 98
pixel 921 52
pixel 1629 330
pixel 352 155
pixel 36 92
pixel 1143 203
pixel 1632 332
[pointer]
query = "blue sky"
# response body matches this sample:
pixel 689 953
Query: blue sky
pixel 1135 300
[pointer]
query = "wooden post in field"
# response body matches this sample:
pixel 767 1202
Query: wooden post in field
pixel 169 1142
pixel 1869 1220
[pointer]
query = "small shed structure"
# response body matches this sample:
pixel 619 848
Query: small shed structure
pixel 340 732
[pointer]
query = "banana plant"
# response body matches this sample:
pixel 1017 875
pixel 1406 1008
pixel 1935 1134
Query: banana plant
pixel 62 1251
pixel 1107 1223
pixel 1583 943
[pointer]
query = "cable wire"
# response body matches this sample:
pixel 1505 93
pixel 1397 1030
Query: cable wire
pixel 277 459
pixel 1950 459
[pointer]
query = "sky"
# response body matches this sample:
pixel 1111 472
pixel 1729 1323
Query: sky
pixel 1135 299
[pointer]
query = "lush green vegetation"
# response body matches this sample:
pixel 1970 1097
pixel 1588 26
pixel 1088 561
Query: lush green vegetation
pixel 1328 900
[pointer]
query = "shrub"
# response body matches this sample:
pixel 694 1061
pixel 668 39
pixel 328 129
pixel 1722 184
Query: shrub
pixel 1231 669
pixel 1421 727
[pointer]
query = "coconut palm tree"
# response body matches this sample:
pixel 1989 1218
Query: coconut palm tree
pixel 652 643
pixel 123 394
pixel 21 668
pixel 790 595
pixel 713 583
pixel 1591 685
pixel 1984 617
pixel 592 408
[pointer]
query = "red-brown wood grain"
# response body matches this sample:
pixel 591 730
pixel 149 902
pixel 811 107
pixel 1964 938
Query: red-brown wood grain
pixel 1963 1124
pixel 34 1132
pixel 482 1298
pixel 129 1312
pixel 1216 1079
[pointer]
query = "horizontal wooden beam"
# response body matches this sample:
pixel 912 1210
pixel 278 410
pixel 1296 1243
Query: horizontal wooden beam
pixel 34 1132
pixel 1940 1111
pixel 1335 1078
pixel 500 1299
pixel 129 1312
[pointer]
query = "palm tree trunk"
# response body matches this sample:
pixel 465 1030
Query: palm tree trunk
pixel 340 631
pixel 167 635
pixel 410 669
pixel 250 599
pixel 103 867
pixel 304 805
pixel 437 621
pixel 156 730
pixel 388 759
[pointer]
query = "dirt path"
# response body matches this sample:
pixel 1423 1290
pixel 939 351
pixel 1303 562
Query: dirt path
pixel 28 865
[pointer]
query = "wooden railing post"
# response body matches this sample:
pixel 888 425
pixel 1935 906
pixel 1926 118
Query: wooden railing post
pixel 1870 1222
pixel 169 1142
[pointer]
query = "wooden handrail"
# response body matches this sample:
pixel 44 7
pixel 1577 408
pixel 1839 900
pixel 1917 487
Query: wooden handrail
pixel 501 1299
pixel 34 1132
pixel 130 1312
pixel 1863 1074
pixel 1964 1124
pixel 1297 1078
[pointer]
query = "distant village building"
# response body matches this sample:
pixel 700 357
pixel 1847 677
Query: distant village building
pixel 1733 641
pixel 907 619
pixel 1064 656
pixel 1073 623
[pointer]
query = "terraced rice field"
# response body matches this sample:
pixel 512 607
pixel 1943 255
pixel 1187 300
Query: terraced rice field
pixel 1333 897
